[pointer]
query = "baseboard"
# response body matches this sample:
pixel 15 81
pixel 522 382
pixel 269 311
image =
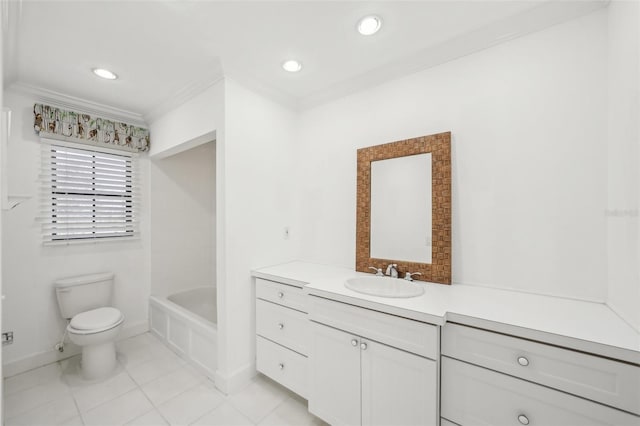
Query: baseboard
pixel 32 361
pixel 235 381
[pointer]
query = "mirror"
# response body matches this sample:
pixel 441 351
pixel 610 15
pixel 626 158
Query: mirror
pixel 404 207
pixel 401 208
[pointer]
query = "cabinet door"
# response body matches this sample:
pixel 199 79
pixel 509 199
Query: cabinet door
pixel 398 388
pixel 334 393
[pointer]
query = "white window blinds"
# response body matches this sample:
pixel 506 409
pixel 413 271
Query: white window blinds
pixel 88 194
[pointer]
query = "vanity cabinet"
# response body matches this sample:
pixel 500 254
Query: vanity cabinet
pixel 282 334
pixel 356 380
pixel 492 378
pixel 363 361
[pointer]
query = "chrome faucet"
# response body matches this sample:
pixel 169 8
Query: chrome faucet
pixel 378 271
pixel 392 270
pixel 409 276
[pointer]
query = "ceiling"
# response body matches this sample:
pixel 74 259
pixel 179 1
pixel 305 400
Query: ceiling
pixel 166 51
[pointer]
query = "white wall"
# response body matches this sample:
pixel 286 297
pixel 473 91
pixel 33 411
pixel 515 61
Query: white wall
pixel 260 159
pixel 528 154
pixel 183 127
pixel 183 220
pixel 255 173
pixel 29 268
pixel 196 121
pixel 1 212
pixel 623 160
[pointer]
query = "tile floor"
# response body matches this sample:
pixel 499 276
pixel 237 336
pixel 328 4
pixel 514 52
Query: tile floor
pixel 155 387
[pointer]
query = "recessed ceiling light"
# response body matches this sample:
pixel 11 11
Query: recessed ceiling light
pixel 106 74
pixel 292 66
pixel 369 25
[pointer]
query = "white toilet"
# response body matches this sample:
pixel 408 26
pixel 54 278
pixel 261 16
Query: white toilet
pixel 93 325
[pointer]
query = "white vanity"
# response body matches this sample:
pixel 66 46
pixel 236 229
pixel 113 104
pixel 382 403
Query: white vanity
pixel 457 354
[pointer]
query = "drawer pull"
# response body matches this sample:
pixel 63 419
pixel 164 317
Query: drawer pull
pixel 354 342
pixel 523 419
pixel 363 346
pixel 523 362
pixel 280 326
pixel 281 366
pixel 280 294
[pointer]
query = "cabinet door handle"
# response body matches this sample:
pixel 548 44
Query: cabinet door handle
pixel 281 366
pixel 363 346
pixel 523 361
pixel 280 294
pixel 523 419
pixel 280 326
pixel 354 342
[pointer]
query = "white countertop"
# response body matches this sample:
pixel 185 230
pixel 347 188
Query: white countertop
pixel 585 326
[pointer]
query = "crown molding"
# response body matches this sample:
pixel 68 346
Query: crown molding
pixel 73 103
pixel 265 90
pixel 493 34
pixel 181 96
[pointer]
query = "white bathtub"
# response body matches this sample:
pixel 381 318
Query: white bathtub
pixel 186 322
pixel 201 301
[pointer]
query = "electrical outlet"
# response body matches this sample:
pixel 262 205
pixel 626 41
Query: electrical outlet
pixel 7 338
pixel 285 233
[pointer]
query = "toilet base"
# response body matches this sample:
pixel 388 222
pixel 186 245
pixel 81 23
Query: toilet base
pixel 98 361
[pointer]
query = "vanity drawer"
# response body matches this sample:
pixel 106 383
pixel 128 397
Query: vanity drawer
pixel 473 395
pixel 412 336
pixel 282 365
pixel 282 294
pixel 285 326
pixel 609 382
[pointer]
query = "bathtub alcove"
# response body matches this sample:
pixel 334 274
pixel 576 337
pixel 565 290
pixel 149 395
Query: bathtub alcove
pixel 183 302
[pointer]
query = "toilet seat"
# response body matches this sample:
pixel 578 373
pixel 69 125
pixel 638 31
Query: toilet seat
pixel 95 321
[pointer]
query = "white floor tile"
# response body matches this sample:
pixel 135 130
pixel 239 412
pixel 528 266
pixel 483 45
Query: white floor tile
pixel 154 368
pixel 134 356
pixel 142 350
pixel 224 415
pixel 75 421
pixel 259 398
pixel 156 388
pixel 90 396
pixel 23 401
pixel 293 412
pixel 72 375
pixel 56 412
pixel 118 411
pixel 191 405
pixel 32 378
pixel 172 384
pixel 139 341
pixel 68 363
pixel 152 418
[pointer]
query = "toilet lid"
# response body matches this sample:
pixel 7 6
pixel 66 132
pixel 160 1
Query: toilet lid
pixel 96 318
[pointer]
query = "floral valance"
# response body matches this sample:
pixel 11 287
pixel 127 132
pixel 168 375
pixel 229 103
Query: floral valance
pixel 83 128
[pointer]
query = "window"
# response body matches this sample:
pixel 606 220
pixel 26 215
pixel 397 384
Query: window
pixel 89 194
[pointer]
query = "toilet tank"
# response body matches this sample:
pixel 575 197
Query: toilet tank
pixel 83 293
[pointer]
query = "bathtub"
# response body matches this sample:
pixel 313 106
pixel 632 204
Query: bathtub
pixel 186 322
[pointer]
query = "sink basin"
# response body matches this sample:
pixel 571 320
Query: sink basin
pixel 384 286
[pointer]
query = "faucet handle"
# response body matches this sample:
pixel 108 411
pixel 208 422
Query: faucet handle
pixel 378 271
pixel 409 276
